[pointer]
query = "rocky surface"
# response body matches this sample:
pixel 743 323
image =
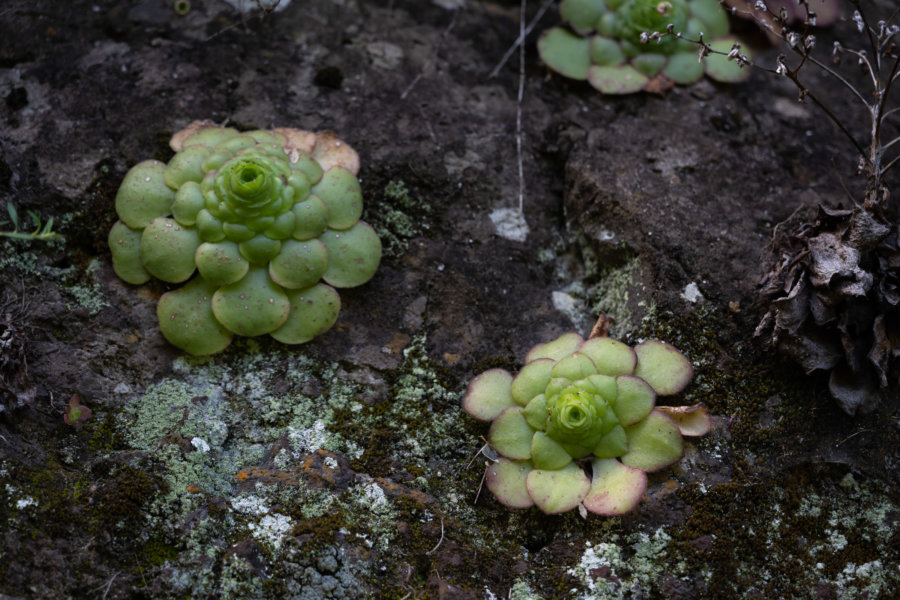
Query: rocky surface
pixel 345 468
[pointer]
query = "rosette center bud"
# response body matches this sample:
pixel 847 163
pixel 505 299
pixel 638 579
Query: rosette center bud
pixel 249 180
pixel 574 413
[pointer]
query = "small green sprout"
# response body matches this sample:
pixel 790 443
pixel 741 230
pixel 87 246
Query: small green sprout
pixel 75 413
pixel 41 232
pixel 578 426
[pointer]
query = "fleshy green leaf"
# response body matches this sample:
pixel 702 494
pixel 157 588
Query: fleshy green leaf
pixel 313 311
pixel 168 248
pixel 125 247
pixel 683 68
pixel 666 369
pixel 144 195
pixel 488 395
pixel 606 52
pixel 353 255
pixel 613 444
pixel 548 454
pixel 634 399
pixel 566 53
pixel 531 380
pixel 299 265
pixel 611 357
pixel 253 306
pixel 615 488
pixel 604 385
pixel 576 366
pixel 536 412
pixel 620 80
pixel 581 14
pixel 220 263
pixel 187 321
pixel 654 443
pixel 558 491
pixel 340 191
pixel 563 346
pixel 510 434
pixel 506 480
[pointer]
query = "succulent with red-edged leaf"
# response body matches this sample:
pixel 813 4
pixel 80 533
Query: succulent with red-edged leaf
pixel 579 425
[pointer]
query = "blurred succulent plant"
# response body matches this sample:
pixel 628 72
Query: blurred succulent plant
pixel 580 407
pixel 261 217
pixel 614 49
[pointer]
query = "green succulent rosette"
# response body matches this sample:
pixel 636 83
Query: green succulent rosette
pixel 579 425
pixel 260 226
pixel 604 45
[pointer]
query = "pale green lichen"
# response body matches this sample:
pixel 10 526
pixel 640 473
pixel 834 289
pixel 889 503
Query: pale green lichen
pixel 628 573
pixel 398 217
pixel 618 294
pixel 89 294
pixel 520 590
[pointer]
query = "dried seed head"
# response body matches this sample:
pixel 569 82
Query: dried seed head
pixel 780 67
pixel 857 18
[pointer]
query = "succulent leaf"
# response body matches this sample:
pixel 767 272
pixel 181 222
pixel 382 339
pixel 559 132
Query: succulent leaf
pixel 582 15
pixel 340 192
pixel 536 412
pixel 313 311
pixel 610 356
pixel 353 255
pixel 653 444
pixel 683 68
pixel 488 395
pixel 635 399
pixel 186 166
pixel 663 367
pixel 558 491
pixel 565 53
pixel 311 218
pixel 606 52
pixel 220 263
pixel 613 444
pixel 710 13
pixel 252 306
pixel 561 347
pixel 188 202
pixel 531 380
pixel 167 250
pixel 125 247
pixel 615 488
pixel 144 195
pixel 299 265
pixel 547 453
pixel 623 79
pixel 506 480
pixel 510 434
pixel 649 64
pixel 187 321
pixel 576 366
